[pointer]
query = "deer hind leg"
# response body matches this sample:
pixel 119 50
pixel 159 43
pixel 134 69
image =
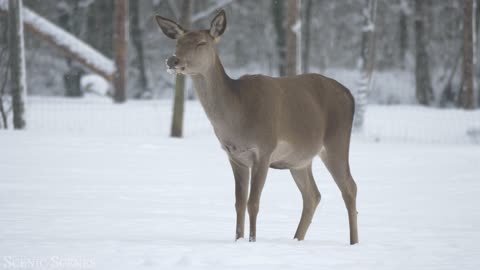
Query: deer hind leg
pixel 242 178
pixel 310 195
pixel 335 158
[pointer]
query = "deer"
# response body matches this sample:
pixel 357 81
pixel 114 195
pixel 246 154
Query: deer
pixel 267 122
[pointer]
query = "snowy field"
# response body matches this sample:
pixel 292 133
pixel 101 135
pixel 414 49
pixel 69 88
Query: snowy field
pixel 91 185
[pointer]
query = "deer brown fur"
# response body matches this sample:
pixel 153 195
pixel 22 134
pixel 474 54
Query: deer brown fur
pixel 264 122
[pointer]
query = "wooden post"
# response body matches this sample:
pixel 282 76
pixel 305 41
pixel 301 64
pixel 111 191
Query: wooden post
pixel 17 63
pixel 179 100
pixel 120 46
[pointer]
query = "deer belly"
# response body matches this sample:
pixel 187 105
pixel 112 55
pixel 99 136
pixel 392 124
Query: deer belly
pixel 242 156
pixel 287 156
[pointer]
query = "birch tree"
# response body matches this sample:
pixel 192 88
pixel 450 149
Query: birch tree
pixel 17 63
pixel 366 62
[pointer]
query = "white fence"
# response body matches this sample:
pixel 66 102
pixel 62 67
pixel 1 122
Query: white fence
pixel 99 116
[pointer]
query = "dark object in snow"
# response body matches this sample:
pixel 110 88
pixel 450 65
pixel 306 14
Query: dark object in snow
pixel 71 80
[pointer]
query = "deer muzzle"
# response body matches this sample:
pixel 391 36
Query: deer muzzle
pixel 172 62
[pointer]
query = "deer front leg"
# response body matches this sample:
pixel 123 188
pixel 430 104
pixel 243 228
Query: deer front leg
pixel 241 194
pixel 259 175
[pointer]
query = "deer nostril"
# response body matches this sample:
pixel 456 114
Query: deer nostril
pixel 172 62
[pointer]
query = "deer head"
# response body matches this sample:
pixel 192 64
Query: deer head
pixel 195 50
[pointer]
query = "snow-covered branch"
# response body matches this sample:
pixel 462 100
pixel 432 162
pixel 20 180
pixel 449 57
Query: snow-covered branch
pixel 69 44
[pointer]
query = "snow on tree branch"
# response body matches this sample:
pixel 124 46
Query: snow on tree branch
pixel 70 44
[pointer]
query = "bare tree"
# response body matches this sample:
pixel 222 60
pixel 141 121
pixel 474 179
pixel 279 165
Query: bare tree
pixel 403 31
pixel 467 97
pixel 292 20
pixel 100 18
pixel 307 11
pixel 4 69
pixel 69 19
pixel 17 63
pixel 366 61
pixel 278 7
pixel 423 85
pixel 179 100
pixel 476 45
pixel 120 46
pixel 136 32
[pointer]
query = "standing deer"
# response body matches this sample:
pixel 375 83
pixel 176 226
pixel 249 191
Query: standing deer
pixel 264 122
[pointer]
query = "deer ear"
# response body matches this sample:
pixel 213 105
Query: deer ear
pixel 170 28
pixel 218 25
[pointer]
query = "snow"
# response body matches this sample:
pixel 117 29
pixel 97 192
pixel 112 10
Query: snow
pixel 421 124
pixel 95 84
pixel 66 40
pixel 96 185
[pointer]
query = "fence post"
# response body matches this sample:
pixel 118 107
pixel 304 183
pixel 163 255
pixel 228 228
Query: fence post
pixel 17 63
pixel 120 47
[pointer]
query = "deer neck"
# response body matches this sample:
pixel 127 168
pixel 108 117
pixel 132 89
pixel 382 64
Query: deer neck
pixel 214 89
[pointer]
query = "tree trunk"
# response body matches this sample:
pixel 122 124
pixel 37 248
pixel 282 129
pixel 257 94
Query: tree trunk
pixel 17 63
pixel 467 98
pixel 179 100
pixel 367 62
pixel 292 18
pixel 100 22
pixel 448 95
pixel 403 33
pixel 306 36
pixel 71 78
pixel 120 47
pixel 136 33
pixel 476 48
pixel 4 68
pixel 423 84
pixel 278 22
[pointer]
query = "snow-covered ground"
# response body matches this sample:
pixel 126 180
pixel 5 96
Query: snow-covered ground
pixel 91 188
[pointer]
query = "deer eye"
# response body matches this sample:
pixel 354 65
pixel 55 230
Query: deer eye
pixel 201 43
